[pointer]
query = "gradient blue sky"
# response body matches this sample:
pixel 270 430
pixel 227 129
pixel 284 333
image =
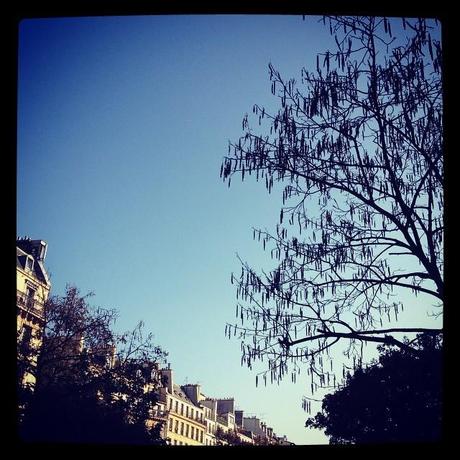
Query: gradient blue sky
pixel 122 126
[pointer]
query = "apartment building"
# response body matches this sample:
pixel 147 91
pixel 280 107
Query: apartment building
pixel 185 416
pixel 192 419
pixel 210 409
pixel 258 429
pixel 32 291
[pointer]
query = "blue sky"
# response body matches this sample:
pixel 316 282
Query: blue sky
pixel 122 126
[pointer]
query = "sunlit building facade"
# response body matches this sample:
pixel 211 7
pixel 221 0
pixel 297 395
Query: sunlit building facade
pixel 32 290
pixel 185 418
pixel 193 419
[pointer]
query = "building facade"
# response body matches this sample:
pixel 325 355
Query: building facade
pixel 190 418
pixel 32 290
pixel 185 423
pixel 210 408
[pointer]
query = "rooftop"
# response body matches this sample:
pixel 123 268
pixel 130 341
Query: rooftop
pixel 180 394
pixel 36 249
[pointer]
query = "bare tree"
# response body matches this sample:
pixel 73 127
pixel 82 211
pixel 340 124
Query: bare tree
pixel 358 147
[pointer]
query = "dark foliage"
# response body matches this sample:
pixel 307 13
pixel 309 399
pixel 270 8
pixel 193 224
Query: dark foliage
pixel 229 438
pixel 92 384
pixel 64 416
pixel 397 399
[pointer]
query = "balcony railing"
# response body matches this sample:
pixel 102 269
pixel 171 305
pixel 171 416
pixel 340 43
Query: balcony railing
pixel 189 417
pixel 29 305
pixel 159 414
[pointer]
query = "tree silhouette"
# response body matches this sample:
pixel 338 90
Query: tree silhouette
pixel 92 384
pixel 358 148
pixel 397 399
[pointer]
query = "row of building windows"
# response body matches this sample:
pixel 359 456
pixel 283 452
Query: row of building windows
pixel 175 442
pixel 189 431
pixel 210 428
pixel 208 442
pixel 185 410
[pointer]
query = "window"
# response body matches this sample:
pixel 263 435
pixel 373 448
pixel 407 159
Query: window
pixel 170 404
pixel 176 427
pixel 30 296
pixel 186 411
pixel 182 409
pixel 26 335
pixel 192 434
pixel 191 414
pixel 187 430
pixel 177 406
pixel 170 424
pixel 201 437
pixel 182 428
pixel 29 263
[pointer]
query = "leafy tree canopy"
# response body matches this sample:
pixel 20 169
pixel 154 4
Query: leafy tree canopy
pixel 92 385
pixel 396 399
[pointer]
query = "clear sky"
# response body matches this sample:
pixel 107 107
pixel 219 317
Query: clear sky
pixel 122 126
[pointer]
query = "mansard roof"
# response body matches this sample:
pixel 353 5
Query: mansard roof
pixel 38 271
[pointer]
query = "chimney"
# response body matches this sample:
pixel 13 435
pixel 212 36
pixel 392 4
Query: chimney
pixel 43 249
pixel 226 405
pixel 239 418
pixel 167 374
pixel 193 392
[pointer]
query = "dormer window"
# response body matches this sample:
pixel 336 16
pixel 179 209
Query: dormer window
pixel 29 263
